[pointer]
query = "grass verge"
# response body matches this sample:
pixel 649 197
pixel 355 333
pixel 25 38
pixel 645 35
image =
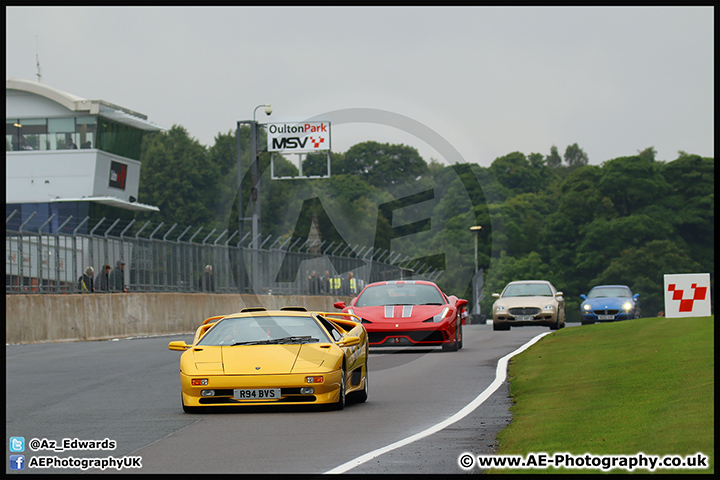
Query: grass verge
pixel 644 385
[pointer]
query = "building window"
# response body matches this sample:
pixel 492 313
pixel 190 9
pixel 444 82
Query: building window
pixel 26 134
pixel 119 139
pixel 50 133
pixel 86 128
pixel 73 132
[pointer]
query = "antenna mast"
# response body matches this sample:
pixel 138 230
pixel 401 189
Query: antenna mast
pixel 37 59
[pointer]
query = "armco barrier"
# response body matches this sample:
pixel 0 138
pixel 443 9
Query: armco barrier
pixel 62 318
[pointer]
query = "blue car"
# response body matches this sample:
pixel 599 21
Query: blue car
pixel 609 303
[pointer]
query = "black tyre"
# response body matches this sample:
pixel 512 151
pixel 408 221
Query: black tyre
pixel 362 395
pixel 340 404
pixel 456 345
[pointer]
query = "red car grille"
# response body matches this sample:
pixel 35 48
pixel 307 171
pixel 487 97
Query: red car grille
pixel 415 336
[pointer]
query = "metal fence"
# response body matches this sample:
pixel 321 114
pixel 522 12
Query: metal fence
pixel 155 260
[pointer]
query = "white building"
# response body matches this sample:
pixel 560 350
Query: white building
pixel 67 155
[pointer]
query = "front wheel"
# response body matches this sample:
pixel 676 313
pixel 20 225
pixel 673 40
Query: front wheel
pixel 340 404
pixel 457 344
pixel 362 395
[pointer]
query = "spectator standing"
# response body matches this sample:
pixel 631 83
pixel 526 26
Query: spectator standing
pixel 103 279
pixel 314 281
pixel 348 285
pixel 207 282
pixel 117 277
pixel 325 283
pixel 85 282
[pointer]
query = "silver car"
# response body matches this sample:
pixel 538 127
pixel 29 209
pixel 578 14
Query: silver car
pixel 528 302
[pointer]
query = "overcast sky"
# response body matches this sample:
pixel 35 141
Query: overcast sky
pixel 488 81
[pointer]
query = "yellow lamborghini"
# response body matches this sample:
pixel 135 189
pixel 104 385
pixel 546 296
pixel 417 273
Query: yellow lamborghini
pixel 274 357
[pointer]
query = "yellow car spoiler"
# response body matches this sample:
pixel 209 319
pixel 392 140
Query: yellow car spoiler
pixel 347 322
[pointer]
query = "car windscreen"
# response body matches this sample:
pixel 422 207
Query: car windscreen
pixel 527 290
pixel 609 292
pixel 265 329
pixel 400 294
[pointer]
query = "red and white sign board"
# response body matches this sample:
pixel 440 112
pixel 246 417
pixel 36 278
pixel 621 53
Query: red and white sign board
pixel 687 295
pixel 298 137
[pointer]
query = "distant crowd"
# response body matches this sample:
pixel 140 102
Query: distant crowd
pixel 113 280
pixel 332 284
pixel 106 280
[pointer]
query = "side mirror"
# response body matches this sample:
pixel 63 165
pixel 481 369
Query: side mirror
pixel 635 297
pixel 559 294
pixel 339 305
pixel 179 346
pixel 496 295
pixel 583 296
pixel 349 341
pixel 461 303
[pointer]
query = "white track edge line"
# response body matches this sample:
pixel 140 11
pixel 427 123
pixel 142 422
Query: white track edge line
pixel 500 376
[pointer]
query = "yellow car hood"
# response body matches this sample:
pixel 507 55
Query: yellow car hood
pixel 264 359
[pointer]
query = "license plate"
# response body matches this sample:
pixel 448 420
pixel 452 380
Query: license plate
pixel 256 394
pixel 606 317
pixel 524 318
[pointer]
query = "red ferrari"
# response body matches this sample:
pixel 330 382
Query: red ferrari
pixel 401 313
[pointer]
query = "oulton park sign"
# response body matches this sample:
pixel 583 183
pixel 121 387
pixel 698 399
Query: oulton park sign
pixel 301 137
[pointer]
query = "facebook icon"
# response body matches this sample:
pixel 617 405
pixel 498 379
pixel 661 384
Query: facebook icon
pixel 17 462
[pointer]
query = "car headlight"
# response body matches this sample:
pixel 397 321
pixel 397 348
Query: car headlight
pixel 549 307
pixel 587 307
pixel 441 317
pixel 627 306
pixel 500 308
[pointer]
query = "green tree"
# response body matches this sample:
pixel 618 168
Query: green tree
pixel 690 205
pixel 632 183
pixel 519 222
pixel 223 155
pixel 649 153
pixel 383 164
pixel 515 175
pixel 177 177
pixel 316 163
pixel 553 160
pixel 575 156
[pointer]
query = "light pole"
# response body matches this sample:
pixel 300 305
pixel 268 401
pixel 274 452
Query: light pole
pixel 475 229
pixel 475 313
pixel 254 189
pixel 255 175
